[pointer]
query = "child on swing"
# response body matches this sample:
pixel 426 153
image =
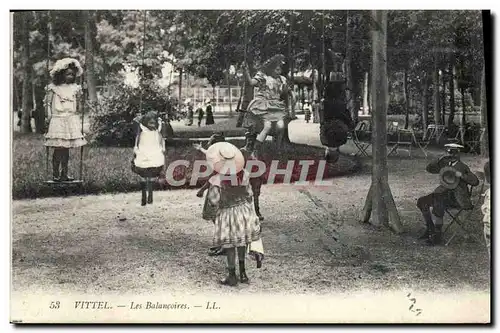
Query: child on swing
pixel 268 105
pixel 62 105
pixel 149 153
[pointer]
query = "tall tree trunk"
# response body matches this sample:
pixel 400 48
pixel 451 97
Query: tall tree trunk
pixel 349 80
pixel 437 106
pixel 365 95
pixel 26 65
pixel 463 120
pixel 315 97
pixel 216 96
pixel 425 103
pixel 484 116
pixel 323 64
pixel 180 87
pixel 379 202
pixel 451 117
pixel 406 99
pixel 228 84
pixel 291 67
pixel 443 100
pixel 89 18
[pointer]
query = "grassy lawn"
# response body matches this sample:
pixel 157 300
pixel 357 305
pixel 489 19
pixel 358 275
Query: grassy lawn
pixel 107 169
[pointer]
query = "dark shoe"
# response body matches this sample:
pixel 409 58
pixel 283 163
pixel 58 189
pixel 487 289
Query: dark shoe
pixel 231 279
pixel 258 258
pixel 332 156
pixel 216 251
pixel 435 239
pixel 261 218
pixel 425 235
pixel 150 199
pixel 67 179
pixel 243 274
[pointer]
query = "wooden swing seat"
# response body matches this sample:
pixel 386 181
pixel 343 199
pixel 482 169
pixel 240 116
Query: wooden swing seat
pixel 64 182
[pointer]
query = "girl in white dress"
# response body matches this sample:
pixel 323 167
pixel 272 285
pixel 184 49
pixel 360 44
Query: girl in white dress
pixel 149 153
pixel 62 105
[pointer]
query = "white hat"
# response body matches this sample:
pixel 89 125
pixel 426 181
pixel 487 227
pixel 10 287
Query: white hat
pixel 225 158
pixel 63 64
pixel 453 146
pixel 207 101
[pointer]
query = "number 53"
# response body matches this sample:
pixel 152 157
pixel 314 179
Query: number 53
pixel 54 305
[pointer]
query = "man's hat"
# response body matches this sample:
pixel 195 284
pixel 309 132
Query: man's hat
pixel 453 147
pixel 448 177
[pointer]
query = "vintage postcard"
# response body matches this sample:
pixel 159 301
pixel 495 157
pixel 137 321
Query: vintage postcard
pixel 250 166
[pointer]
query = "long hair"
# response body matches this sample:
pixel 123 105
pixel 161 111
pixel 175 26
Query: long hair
pixel 59 78
pixel 151 115
pixel 272 63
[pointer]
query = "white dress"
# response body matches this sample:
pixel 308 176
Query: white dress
pixel 149 153
pixel 65 128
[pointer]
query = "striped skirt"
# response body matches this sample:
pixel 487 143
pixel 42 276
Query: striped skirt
pixel 236 226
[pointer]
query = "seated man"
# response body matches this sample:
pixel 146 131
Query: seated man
pixel 444 197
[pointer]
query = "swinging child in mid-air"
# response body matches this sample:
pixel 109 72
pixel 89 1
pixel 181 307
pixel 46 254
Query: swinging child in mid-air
pixel 149 153
pixel 62 105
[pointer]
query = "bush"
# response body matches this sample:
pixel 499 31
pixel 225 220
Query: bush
pixel 112 120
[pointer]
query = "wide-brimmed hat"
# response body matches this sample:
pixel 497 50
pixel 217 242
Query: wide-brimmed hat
pixel 448 177
pixel 64 64
pixel 225 158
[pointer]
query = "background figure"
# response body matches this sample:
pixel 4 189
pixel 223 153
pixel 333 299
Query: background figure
pixel 307 111
pixel 255 182
pixel 149 153
pixel 486 210
pixel 62 104
pixel 444 197
pixel 200 113
pixel 189 112
pixel 210 115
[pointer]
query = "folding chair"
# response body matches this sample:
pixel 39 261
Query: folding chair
pixel 359 143
pixel 405 139
pixel 474 145
pixel 462 216
pixel 436 131
pixel 426 139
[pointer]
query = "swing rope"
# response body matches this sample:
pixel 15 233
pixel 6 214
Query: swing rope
pixel 49 30
pixel 143 56
pixel 245 42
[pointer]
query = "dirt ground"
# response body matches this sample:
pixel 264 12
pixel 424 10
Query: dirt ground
pixel 105 243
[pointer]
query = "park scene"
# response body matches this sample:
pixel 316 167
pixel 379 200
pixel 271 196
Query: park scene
pixel 114 111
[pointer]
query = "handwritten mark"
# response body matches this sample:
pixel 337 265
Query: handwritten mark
pixel 413 301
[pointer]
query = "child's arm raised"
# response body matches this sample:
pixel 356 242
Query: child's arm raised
pixel 202 190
